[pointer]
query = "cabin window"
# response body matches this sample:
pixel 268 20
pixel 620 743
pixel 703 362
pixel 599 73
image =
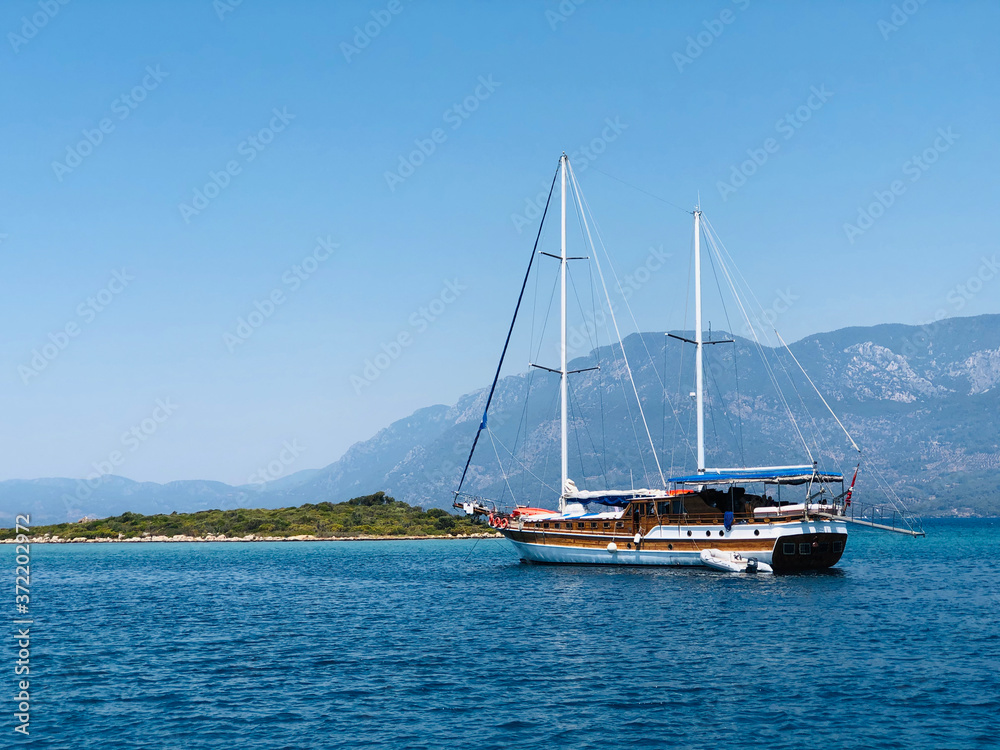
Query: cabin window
pixel 663 508
pixel 838 546
pixel 557 526
pixel 607 524
pixel 593 524
pixel 805 548
pixel 545 526
pixel 788 548
pixel 620 525
pixel 580 525
pixel 678 507
pixel 823 548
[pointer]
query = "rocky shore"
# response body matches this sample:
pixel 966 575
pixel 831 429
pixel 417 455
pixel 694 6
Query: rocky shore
pixel 48 539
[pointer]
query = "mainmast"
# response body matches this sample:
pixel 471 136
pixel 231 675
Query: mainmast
pixel 699 343
pixel 562 349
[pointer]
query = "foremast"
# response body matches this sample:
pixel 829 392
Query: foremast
pixel 699 344
pixel 563 374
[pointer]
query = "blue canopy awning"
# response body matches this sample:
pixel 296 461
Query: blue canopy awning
pixel 780 475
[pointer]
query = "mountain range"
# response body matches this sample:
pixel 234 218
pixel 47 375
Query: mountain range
pixel 921 402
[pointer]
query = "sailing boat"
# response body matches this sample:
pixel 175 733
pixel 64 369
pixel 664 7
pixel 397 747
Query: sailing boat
pixel 723 518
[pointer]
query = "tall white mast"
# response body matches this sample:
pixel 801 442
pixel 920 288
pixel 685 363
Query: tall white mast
pixel 562 348
pixel 699 375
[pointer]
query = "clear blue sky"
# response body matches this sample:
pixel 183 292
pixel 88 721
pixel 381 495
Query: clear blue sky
pixel 688 112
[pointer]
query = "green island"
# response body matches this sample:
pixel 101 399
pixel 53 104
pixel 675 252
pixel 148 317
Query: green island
pixel 377 515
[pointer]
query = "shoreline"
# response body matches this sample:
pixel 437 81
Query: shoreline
pixel 151 538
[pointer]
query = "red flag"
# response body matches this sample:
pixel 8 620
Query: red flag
pixel 850 490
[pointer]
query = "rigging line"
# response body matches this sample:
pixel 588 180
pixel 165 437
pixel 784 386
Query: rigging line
pixel 732 261
pixel 597 263
pixel 586 328
pixel 510 331
pixel 832 413
pixel 581 199
pixel 522 421
pixel 739 404
pixel 600 375
pixel 576 433
pixel 760 349
pixel 597 456
pixel 636 187
pixel 513 498
pixel 548 315
pixel 722 402
pixel 628 307
pixel 498 441
pixel 732 333
pixel 817 436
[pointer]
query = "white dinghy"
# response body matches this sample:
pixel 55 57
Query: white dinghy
pixel 733 562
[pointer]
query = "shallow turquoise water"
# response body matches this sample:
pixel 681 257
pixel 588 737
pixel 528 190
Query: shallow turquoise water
pixel 446 644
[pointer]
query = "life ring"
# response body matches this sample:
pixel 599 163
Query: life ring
pixel 490 521
pixel 504 523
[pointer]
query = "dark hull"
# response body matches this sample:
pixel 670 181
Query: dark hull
pixel 807 552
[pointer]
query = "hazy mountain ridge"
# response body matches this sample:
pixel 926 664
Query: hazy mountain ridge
pixel 922 401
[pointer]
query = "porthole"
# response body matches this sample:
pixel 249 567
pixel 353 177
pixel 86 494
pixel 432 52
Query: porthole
pixel 721 532
pixel 756 532
pixel 708 533
pixel 670 546
pixel 689 532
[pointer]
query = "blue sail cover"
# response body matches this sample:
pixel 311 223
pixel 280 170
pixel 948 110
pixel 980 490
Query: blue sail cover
pixel 780 475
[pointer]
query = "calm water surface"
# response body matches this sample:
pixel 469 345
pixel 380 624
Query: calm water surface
pixel 447 644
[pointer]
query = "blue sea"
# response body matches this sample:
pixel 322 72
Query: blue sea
pixel 455 644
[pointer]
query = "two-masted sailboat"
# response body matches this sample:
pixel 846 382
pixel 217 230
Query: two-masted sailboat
pixel 724 518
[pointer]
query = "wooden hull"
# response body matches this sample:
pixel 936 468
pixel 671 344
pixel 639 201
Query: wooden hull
pixel 787 546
